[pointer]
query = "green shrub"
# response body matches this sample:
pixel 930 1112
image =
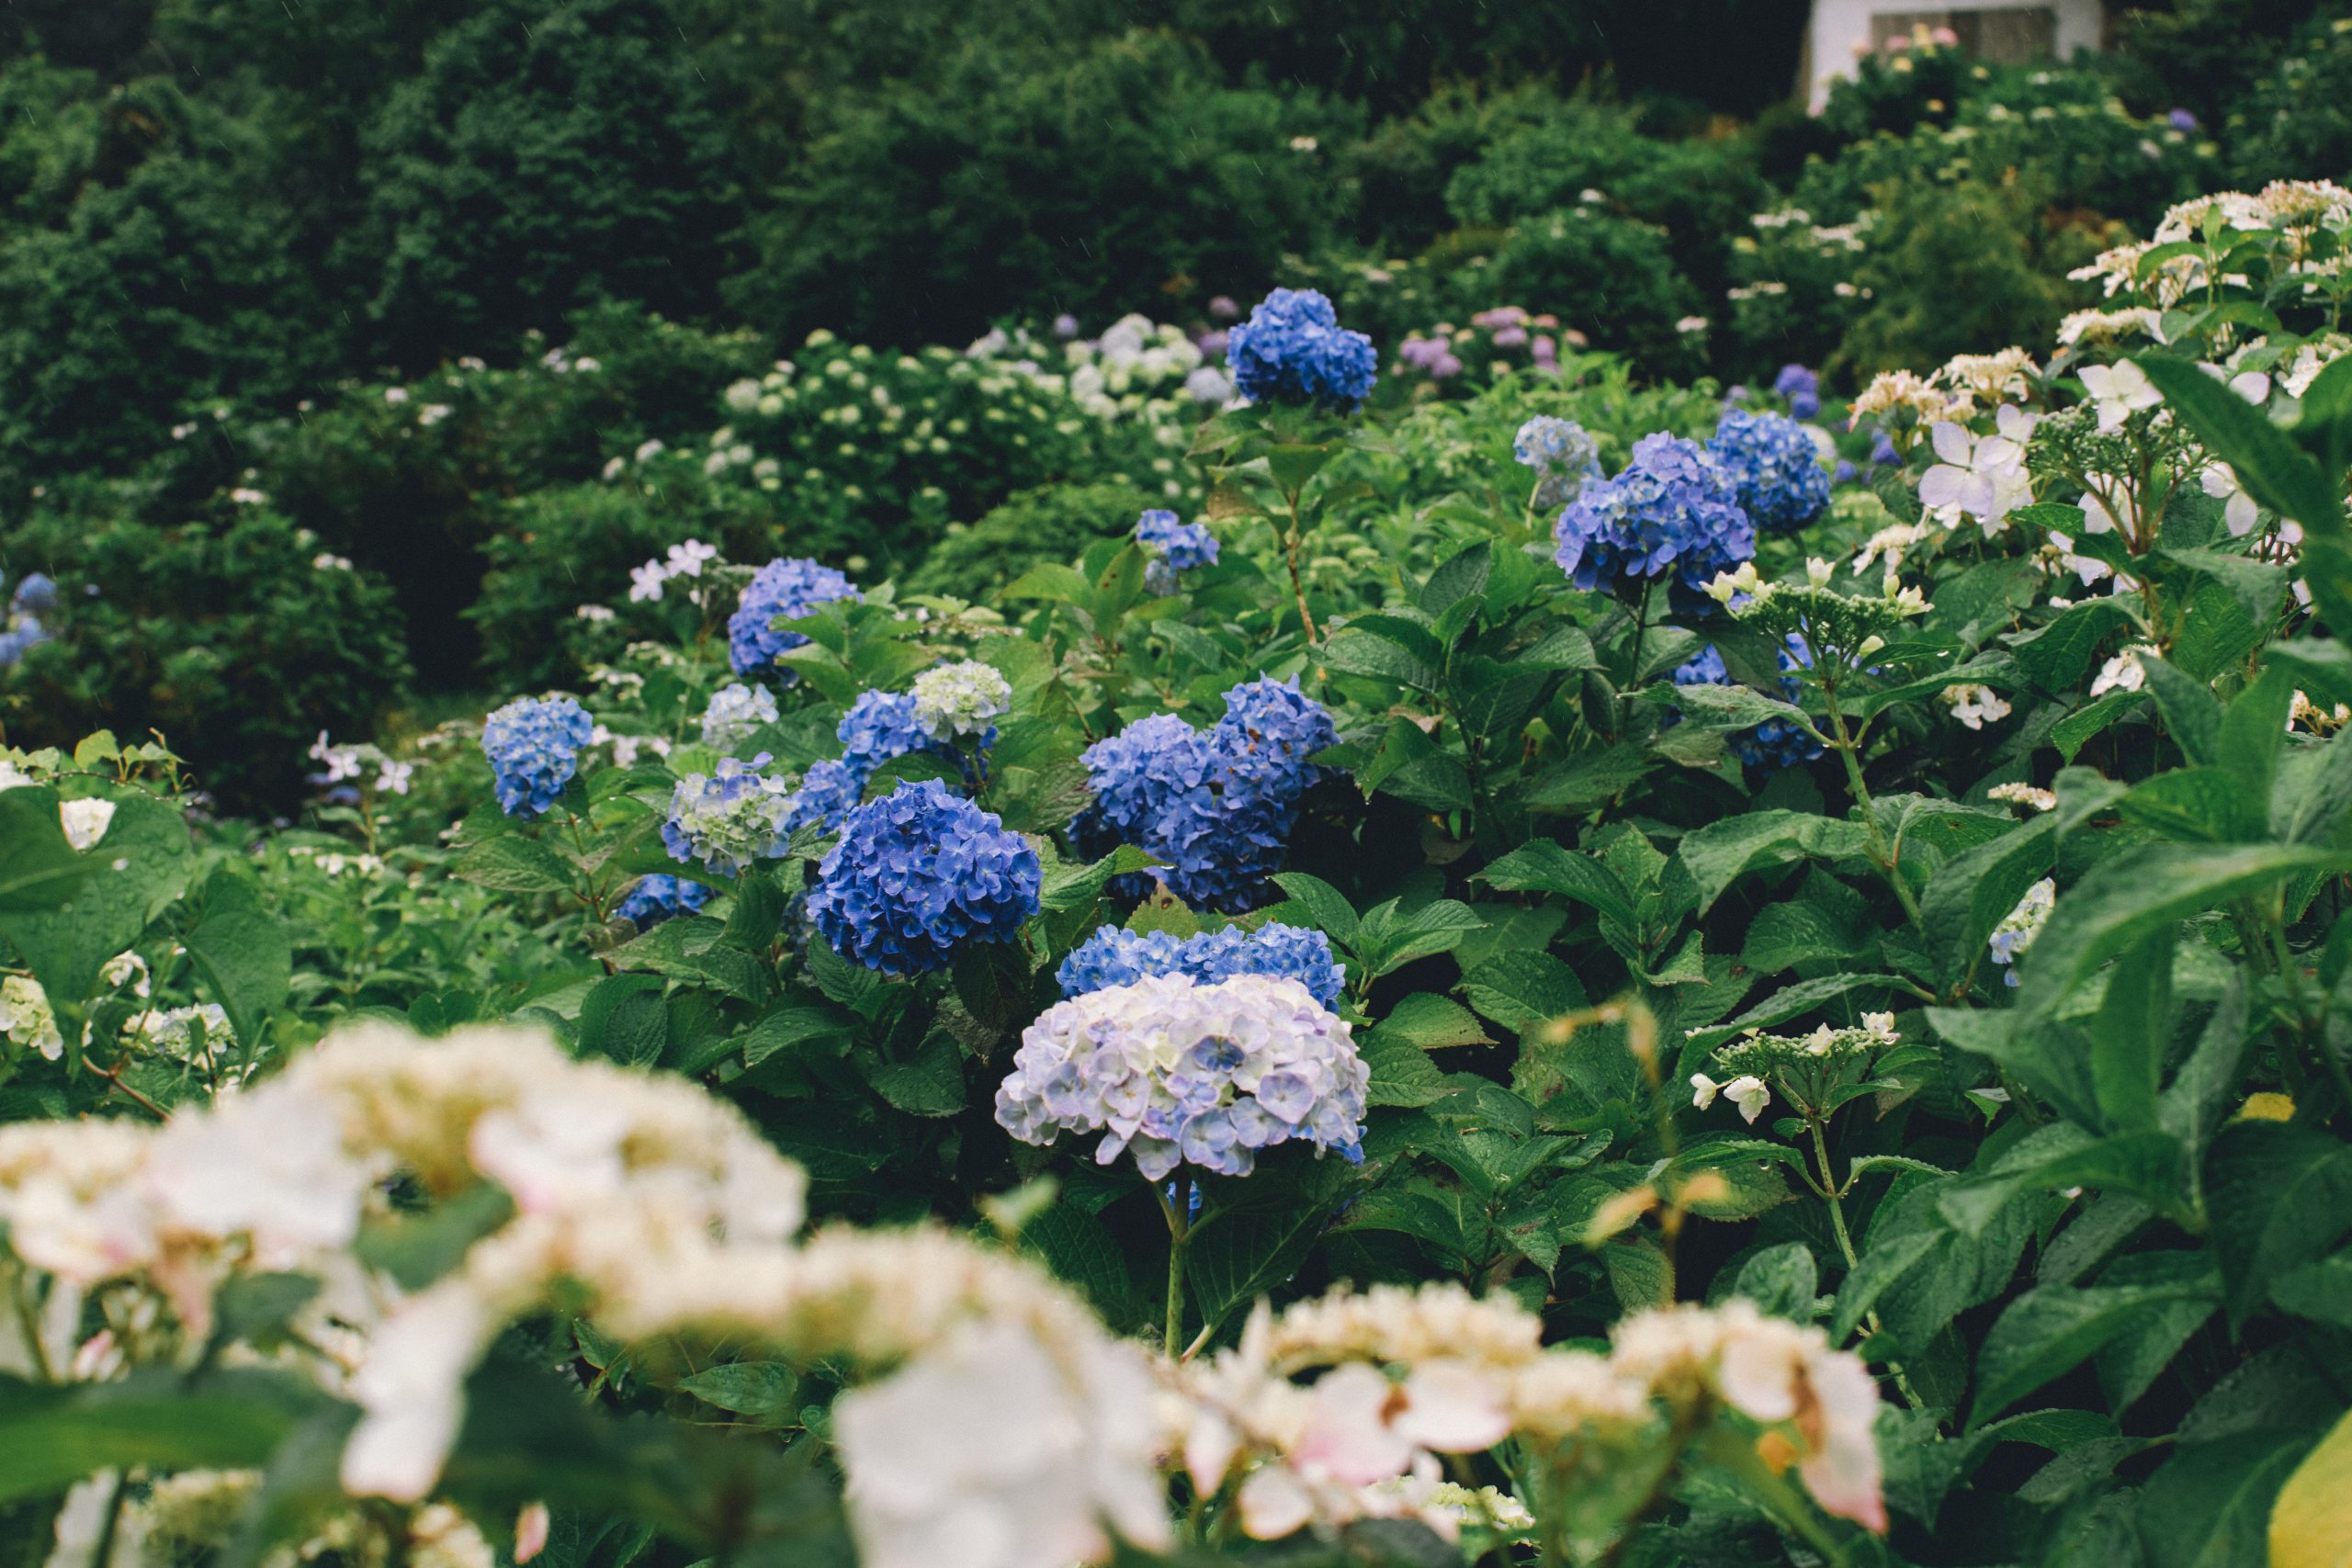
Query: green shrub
pixel 234 635
pixel 2290 125
pixel 1029 180
pixel 1050 523
pixel 1611 279
pixel 542 159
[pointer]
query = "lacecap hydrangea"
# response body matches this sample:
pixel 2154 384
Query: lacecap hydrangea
pixel 1776 742
pixel 1563 454
pixel 1672 513
pixel 1217 808
pixel 735 712
pixel 1293 350
pixel 657 899
pixel 1116 956
pixel 533 745
pixel 1775 469
pixel 729 817
pixel 788 587
pixel 1175 1071
pixel 920 874
pixel 1174 545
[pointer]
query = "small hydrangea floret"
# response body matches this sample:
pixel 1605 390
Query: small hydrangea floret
pixel 735 711
pixel 657 899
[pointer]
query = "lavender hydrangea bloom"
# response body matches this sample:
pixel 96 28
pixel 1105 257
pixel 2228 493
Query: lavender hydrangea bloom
pixel 788 586
pixel 533 745
pixel 1178 1072
pixel 1671 513
pixel 1802 387
pixel 35 593
pixel 1775 469
pixel 1564 455
pixel 918 876
pixel 1293 350
pixel 729 817
pixel 657 899
pixel 1217 808
pixel 1775 743
pixel 1116 956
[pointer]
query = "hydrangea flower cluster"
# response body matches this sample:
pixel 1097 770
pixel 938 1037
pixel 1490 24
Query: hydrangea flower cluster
pixel 828 792
pixel 1177 1071
pixel 730 817
pixel 1844 628
pixel 1674 511
pixel 1802 387
pixel 1175 546
pixel 1564 455
pixel 955 702
pixel 1116 956
pixel 1804 1067
pixel 1775 469
pixel 657 899
pixel 736 710
pixel 880 727
pixel 21 626
pixel 1777 742
pixel 27 1018
pixel 1216 807
pixel 534 744
pixel 2022 925
pixel 1293 350
pixel 918 875
pixel 785 588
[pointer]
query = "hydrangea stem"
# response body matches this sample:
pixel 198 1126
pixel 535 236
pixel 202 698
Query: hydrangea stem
pixel 1175 1202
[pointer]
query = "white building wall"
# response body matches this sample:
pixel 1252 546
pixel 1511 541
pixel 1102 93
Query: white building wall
pixel 1838 24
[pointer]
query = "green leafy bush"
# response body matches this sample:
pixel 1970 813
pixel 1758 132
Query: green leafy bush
pixel 1050 523
pixel 238 634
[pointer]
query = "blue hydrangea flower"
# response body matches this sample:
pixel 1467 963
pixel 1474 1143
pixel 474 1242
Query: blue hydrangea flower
pixel 879 727
pixel 1116 956
pixel 729 817
pixel 657 899
pixel 1178 1072
pixel 828 792
pixel 1802 387
pixel 1775 469
pixel 1564 455
pixel 1175 546
pixel 1293 350
pixel 1776 743
pixel 1671 513
pixel 918 875
pixel 1217 808
pixel 735 712
pixel 534 744
pixel 36 595
pixel 786 587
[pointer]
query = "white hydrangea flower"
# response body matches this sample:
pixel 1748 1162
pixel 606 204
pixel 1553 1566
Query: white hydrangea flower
pixel 1979 477
pixel 2118 391
pixel 735 711
pixel 1747 1092
pixel 86 820
pixel 27 1018
pixel 2123 672
pixel 1975 706
pixel 2022 925
pixel 953 701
